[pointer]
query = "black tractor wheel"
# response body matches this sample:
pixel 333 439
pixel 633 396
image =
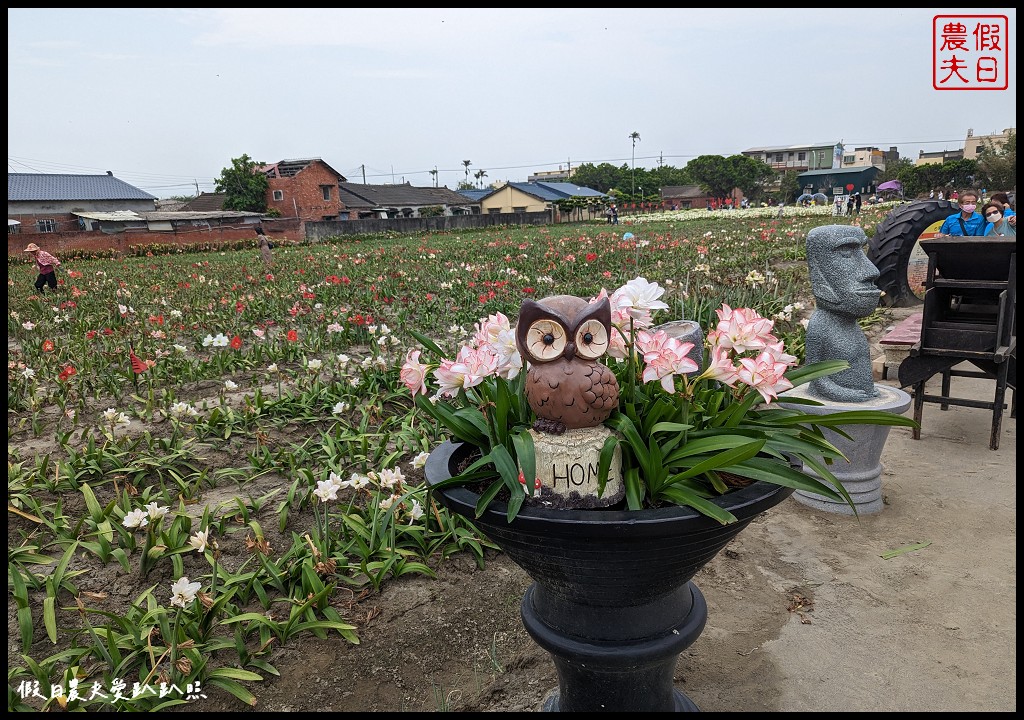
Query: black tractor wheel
pixel 893 242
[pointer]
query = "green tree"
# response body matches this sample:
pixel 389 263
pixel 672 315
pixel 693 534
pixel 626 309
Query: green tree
pixel 893 170
pixel 713 173
pixel 603 177
pixel 750 175
pixel 997 165
pixel 789 186
pixel 466 164
pixel 244 186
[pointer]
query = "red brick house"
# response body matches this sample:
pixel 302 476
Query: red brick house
pixel 304 189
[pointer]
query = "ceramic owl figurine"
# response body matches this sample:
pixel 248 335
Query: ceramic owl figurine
pixel 563 337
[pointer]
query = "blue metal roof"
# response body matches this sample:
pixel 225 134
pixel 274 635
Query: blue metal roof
pixel 571 189
pixel 46 187
pixel 475 195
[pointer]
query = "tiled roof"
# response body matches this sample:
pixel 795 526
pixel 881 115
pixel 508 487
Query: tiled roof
pixel 356 195
pixel 46 187
pixel 206 202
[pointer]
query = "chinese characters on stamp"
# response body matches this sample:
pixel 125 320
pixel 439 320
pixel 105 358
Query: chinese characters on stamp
pixel 970 52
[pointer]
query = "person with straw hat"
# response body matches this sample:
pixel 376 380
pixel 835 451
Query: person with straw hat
pixel 47 266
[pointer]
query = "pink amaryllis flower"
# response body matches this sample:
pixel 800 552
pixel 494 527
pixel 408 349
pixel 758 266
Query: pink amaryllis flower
pixel 664 357
pixel 721 367
pixel 468 369
pixel 765 374
pixel 495 334
pixel 414 373
pixel 742 330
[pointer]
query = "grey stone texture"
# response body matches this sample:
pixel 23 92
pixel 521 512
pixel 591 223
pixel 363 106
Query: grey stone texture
pixel 843 282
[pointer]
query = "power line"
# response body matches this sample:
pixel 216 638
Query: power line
pixel 159 181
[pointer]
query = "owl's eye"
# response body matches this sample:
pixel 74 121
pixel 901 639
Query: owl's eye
pixel 545 340
pixel 591 340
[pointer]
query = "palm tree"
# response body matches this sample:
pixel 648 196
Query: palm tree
pixel 480 175
pixel 635 137
pixel 434 173
pixel 467 163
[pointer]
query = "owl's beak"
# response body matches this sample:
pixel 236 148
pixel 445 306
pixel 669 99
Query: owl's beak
pixel 570 350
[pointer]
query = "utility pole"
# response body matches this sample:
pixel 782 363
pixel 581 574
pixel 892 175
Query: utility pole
pixel 364 173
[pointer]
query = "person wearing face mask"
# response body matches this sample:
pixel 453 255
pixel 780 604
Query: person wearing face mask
pixel 1008 212
pixel 997 224
pixel 966 222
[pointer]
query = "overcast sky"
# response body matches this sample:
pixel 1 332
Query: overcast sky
pixel 165 98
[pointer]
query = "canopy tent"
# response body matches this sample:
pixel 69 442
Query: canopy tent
pixel 894 185
pixel 12 222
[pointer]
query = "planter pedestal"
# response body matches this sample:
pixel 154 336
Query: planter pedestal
pixel 861 475
pixel 636 670
pixel 612 599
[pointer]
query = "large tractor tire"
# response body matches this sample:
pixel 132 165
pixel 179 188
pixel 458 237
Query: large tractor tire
pixel 893 242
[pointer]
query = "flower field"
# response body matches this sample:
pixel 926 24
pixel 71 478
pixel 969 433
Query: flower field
pixel 207 460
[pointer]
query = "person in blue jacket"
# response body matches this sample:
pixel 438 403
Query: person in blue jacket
pixel 967 222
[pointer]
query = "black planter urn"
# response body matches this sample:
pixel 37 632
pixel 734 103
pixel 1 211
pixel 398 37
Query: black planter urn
pixel 612 599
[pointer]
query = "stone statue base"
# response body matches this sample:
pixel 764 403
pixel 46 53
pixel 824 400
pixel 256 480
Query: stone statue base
pixel 567 467
pixel 862 474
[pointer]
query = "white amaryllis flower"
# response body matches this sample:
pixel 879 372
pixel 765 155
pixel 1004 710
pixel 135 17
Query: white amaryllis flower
pixel 230 385
pixel 391 477
pixel 356 482
pixel 180 348
pixel 156 512
pixel 200 541
pixel 179 408
pixel 272 367
pixel 417 511
pixel 340 407
pixel 183 592
pixel 387 502
pixel 28 325
pixel 420 460
pixel 135 519
pixel 639 298
pixel 314 364
pixel 328 489
pixel 343 359
pixel 28 373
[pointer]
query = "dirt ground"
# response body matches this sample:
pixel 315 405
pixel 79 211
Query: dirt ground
pixel 804 612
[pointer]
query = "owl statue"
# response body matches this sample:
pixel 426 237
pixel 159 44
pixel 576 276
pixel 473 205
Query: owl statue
pixel 562 337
